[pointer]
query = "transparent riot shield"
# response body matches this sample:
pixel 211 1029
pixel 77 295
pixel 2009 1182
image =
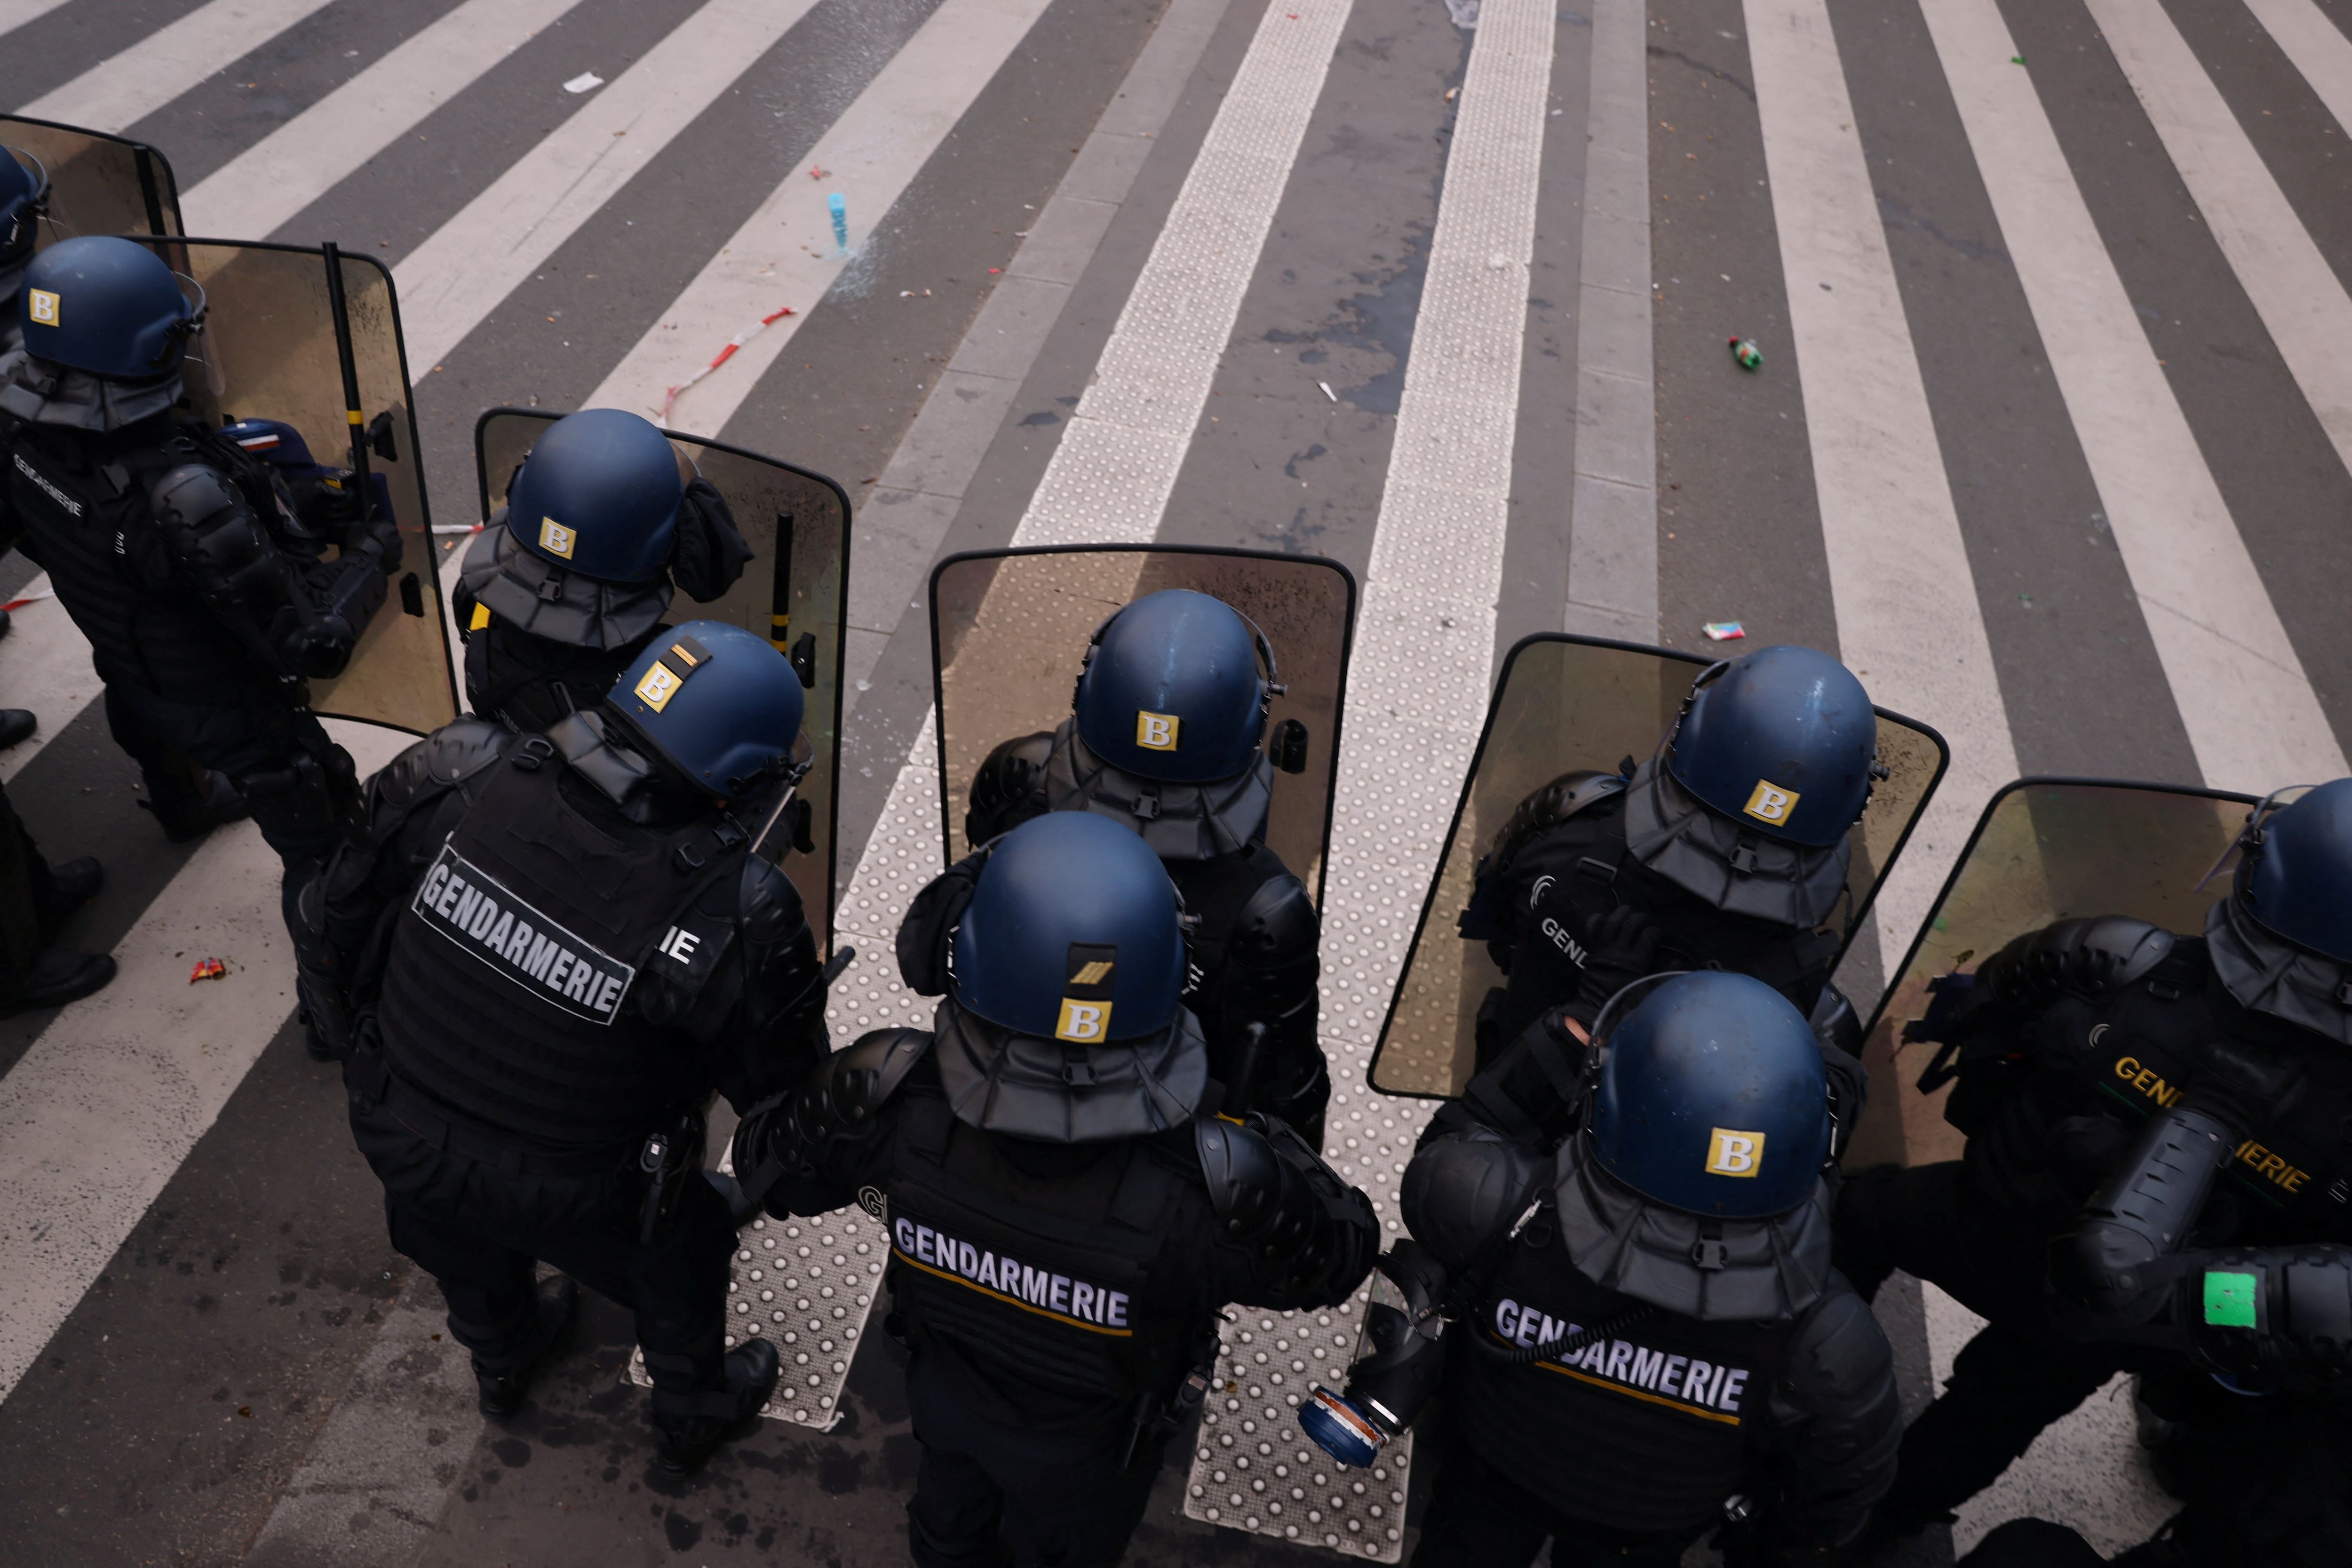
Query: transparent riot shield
pixel 2045 849
pixel 794 592
pixel 1009 628
pixel 1566 703
pixel 311 338
pixel 97 183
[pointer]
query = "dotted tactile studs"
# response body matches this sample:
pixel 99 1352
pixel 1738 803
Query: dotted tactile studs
pixel 805 1286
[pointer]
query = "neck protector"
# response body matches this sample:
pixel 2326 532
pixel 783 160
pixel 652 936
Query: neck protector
pixel 1717 861
pixel 547 601
pixel 2269 974
pixel 1179 821
pixel 1761 1269
pixel 1056 1092
pixel 40 393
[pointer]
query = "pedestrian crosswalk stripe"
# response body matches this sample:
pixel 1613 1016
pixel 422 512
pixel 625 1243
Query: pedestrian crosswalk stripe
pixel 453 282
pixel 1900 580
pixel 2249 709
pixel 123 89
pixel 783 254
pixel 267 186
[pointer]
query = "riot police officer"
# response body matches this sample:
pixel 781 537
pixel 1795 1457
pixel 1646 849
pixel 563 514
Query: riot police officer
pixel 1648 1341
pixel 1067 1214
pixel 2152 1118
pixel 206 605
pixel 570 579
pixel 1727 849
pixel 548 951
pixel 1167 736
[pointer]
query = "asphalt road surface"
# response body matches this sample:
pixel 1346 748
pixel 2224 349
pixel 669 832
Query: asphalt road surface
pixel 2049 440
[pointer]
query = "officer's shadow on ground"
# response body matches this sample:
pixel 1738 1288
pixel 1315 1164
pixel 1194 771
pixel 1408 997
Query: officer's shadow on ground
pixel 571 1480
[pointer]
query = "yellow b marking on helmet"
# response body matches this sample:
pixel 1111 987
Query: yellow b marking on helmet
pixel 1771 803
pixel 1156 732
pixel 658 687
pixel 41 308
pixel 1731 1152
pixel 556 539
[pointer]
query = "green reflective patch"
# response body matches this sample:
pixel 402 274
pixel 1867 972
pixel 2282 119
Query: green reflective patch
pixel 2229 1300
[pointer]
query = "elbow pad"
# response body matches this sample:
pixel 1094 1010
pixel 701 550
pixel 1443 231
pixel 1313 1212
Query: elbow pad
pixel 1276 1196
pixel 791 1134
pixel 2143 1212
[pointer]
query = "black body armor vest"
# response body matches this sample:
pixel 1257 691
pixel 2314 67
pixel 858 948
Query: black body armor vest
pixel 2082 1074
pixel 82 500
pixel 510 990
pixel 1540 890
pixel 1051 1292
pixel 1649 1430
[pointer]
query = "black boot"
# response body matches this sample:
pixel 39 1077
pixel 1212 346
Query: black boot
pixel 688 1438
pixel 72 884
pixel 58 976
pixel 16 724
pixel 502 1387
pixel 217 805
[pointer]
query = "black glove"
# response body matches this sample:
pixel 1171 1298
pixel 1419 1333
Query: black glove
pixel 1620 946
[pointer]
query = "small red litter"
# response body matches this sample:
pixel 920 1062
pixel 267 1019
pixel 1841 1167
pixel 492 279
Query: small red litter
pixel 669 401
pixel 207 969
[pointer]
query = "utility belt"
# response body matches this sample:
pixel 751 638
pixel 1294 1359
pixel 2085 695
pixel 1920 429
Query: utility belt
pixel 661 1159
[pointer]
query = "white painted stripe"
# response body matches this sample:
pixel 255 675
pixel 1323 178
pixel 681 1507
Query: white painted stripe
pixel 272 181
pixel 452 282
pixel 113 1095
pixel 43 665
pixel 1114 476
pixel 1908 617
pixel 1612 546
pixel 2296 293
pixel 2315 48
pixel 784 254
pixel 15 13
pixel 1111 475
pixel 122 89
pixel 368 1492
pixel 2252 717
pixel 1418 680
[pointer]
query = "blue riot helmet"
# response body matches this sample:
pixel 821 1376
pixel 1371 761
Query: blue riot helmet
pixel 1783 740
pixel 719 704
pixel 1074 932
pixel 599 495
pixel 2294 877
pixel 24 193
pixel 109 307
pixel 1173 688
pixel 1711 1099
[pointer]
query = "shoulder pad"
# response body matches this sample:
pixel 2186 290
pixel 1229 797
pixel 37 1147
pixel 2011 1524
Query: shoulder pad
pixel 1465 1192
pixel 2091 957
pixel 1277 924
pixel 442 761
pixel 1571 795
pixel 1007 790
pixel 1237 1163
pixel 768 904
pixel 194 491
pixel 882 1059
